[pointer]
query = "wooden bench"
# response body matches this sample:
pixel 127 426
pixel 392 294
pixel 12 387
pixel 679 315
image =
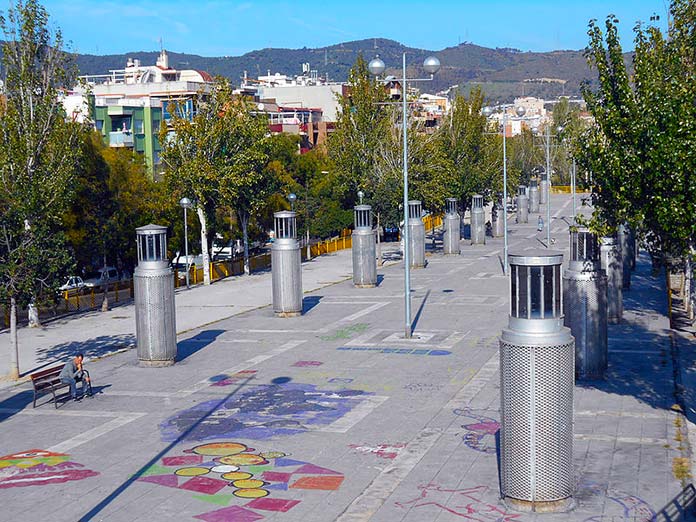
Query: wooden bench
pixel 48 381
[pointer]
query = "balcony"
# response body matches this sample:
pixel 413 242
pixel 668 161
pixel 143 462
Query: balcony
pixel 121 139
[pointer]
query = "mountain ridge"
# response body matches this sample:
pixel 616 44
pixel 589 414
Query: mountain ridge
pixel 499 71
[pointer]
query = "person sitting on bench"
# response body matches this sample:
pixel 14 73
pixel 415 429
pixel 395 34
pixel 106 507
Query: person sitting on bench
pixel 72 373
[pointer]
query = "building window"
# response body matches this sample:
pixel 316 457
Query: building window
pixel 156 158
pixel 155 126
pixel 139 126
pixel 99 125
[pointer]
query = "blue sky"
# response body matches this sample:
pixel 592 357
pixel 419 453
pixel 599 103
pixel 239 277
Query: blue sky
pixel 229 28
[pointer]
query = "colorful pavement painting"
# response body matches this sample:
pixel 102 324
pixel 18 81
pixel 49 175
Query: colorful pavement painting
pixel 39 468
pixel 261 413
pixel 225 472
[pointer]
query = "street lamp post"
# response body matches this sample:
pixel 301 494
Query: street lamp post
pixel 376 67
pixel 548 186
pixel 186 204
pixel 573 189
pixel 520 111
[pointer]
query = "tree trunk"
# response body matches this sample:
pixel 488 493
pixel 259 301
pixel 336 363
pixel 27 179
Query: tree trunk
pixel 34 320
pixel 244 221
pixel 14 345
pixel 105 287
pixel 379 243
pixel 204 244
pixel 688 287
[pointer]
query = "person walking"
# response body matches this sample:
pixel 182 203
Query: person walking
pixel 72 373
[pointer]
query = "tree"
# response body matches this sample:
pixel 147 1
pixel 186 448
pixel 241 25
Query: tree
pixel 642 148
pixel 475 157
pixel 219 158
pixel 39 152
pixel 361 126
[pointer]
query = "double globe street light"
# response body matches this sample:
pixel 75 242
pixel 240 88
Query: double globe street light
pixel 520 112
pixel 431 65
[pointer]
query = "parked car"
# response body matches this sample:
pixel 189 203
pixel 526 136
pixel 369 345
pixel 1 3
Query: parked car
pixel 105 275
pixel 74 285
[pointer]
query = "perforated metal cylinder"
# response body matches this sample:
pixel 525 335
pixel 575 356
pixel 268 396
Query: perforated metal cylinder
pixel 364 249
pixel 522 205
pixel 153 288
pixel 286 267
pixel 624 237
pixel 452 225
pixel 478 221
pixel 536 377
pixel 543 190
pixel 585 297
pixel 497 223
pixel 612 264
pixel 533 197
pixel 416 230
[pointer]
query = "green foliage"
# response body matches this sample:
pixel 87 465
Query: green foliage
pixel 114 196
pixel 642 148
pixel 475 156
pixel 219 157
pixel 362 125
pixel 39 154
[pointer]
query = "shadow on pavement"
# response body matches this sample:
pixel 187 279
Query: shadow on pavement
pixel 188 347
pixel 466 232
pixel 15 403
pixel 641 360
pixel 93 513
pixel 310 302
pixel 91 348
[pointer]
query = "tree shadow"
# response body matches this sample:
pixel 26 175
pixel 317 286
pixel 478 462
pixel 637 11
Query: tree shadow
pixel 91 349
pixel 96 510
pixel 187 347
pixel 641 359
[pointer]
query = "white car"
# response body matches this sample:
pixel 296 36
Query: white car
pixel 105 275
pixel 74 284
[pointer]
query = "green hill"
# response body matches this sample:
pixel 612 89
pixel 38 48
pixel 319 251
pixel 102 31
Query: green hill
pixel 501 72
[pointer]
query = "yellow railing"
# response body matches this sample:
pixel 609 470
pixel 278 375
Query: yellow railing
pixel 119 292
pixel 567 189
pixel 73 301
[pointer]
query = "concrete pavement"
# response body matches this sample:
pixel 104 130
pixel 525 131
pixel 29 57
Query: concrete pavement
pixel 334 416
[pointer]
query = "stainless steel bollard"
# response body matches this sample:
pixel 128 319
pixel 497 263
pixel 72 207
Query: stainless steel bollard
pixel 497 220
pixel 624 237
pixel 478 221
pixel 522 205
pixel 416 231
pixel 364 248
pixel 153 286
pixel 286 266
pixel 543 194
pixel 585 304
pixel 533 197
pixel 452 234
pixel 536 380
pixel 610 257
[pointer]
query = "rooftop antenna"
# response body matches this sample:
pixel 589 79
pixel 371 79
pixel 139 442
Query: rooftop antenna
pixel 161 46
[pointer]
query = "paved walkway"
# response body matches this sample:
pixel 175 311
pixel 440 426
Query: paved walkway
pixel 98 334
pixel 334 416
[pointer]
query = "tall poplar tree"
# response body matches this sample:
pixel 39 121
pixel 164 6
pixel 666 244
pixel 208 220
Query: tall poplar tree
pixel 39 152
